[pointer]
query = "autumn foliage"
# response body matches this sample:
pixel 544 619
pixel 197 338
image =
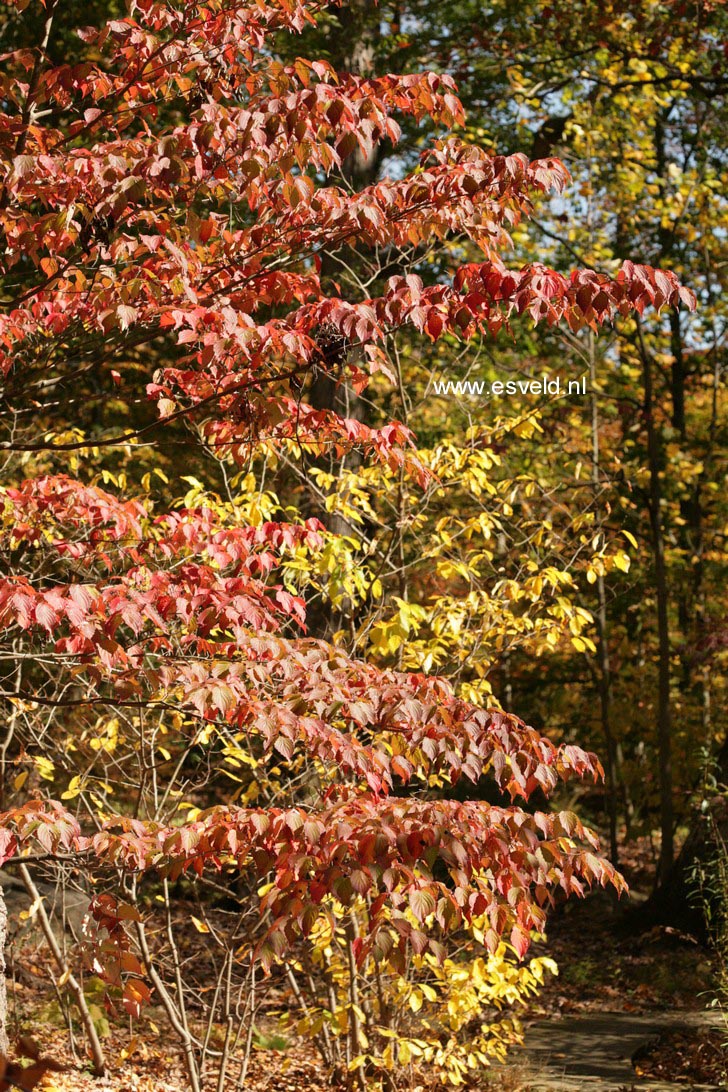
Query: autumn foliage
pixel 165 205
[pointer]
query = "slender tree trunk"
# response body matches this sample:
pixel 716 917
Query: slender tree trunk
pixel 605 703
pixel 351 46
pixel 604 671
pixel 66 976
pixel 664 710
pixel 354 1018
pixel 704 477
pixel 674 901
pixel 176 1020
pixel 689 897
pixel 3 981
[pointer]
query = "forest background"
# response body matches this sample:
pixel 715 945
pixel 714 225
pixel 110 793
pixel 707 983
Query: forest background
pixel 559 556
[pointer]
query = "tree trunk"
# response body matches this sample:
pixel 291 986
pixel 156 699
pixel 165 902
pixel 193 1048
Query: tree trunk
pixel 351 46
pixel 664 710
pixel 3 982
pixel 604 675
pixel 694 894
pixel 66 977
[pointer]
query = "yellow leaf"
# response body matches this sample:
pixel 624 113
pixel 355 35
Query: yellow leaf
pixel 73 790
pixel 129 1050
pixel 29 914
pixel 45 767
pixel 621 561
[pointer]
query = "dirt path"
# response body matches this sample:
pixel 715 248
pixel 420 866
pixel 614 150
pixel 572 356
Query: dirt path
pixel 594 1051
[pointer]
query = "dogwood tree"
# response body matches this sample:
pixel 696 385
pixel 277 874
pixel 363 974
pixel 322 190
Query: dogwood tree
pixel 165 202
